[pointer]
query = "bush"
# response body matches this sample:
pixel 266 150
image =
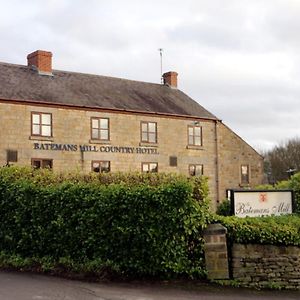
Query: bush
pixel 279 230
pixel 140 224
pixel 224 209
pixel 294 184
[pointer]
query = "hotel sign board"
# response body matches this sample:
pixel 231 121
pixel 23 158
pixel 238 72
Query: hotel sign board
pixel 257 203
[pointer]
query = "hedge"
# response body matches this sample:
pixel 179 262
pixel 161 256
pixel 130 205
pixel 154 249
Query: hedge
pixel 133 223
pixel 273 230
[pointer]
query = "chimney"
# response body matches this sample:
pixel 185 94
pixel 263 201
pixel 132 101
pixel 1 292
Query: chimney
pixel 41 61
pixel 170 79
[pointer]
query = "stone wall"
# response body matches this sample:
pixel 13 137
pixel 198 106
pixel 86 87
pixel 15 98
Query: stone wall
pixel 234 152
pixel 266 266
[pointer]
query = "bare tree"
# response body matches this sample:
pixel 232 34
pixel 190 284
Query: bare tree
pixel 283 160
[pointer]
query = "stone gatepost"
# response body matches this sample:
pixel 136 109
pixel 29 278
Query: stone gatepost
pixel 216 256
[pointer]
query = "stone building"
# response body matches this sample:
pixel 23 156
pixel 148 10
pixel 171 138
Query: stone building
pixel 73 121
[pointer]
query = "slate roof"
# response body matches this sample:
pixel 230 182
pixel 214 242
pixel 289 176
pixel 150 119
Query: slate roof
pixel 18 82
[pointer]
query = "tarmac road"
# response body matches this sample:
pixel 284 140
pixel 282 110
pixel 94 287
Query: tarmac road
pixel 25 286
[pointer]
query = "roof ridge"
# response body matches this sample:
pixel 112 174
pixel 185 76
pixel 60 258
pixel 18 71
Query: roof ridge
pixel 86 74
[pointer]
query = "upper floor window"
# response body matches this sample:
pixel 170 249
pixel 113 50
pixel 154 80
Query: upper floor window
pixel 149 132
pixel 101 166
pixel 195 170
pixel 41 124
pixel 245 174
pixel 195 135
pixel 100 129
pixel 41 163
pixel 150 167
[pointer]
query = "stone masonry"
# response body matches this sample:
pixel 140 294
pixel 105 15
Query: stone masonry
pixel 221 155
pixel 215 247
pixel 266 266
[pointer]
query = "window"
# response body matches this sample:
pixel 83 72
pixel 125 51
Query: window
pixel 244 174
pixel 195 135
pixel 41 124
pixel 11 156
pixel 149 132
pixel 195 170
pixel 41 163
pixel 100 129
pixel 149 167
pixel 101 166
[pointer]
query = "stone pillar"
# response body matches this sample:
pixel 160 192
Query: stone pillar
pixel 216 257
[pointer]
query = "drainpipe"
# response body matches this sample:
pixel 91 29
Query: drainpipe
pixel 217 161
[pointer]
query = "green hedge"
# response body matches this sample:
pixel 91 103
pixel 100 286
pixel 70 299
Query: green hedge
pixel 133 223
pixel 279 230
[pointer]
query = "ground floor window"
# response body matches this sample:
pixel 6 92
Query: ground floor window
pixel 100 166
pixel 244 174
pixel 195 170
pixel 38 163
pixel 149 167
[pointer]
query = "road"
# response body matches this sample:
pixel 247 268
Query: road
pixel 25 286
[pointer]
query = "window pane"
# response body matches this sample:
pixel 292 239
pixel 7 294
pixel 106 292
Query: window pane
pixel 35 119
pixel 105 166
pixel 152 127
pixel 144 137
pixel 191 131
pixel 96 167
pixel 104 134
pixel 46 131
pixel 145 167
pixel 46 163
pixel 244 170
pixel 95 123
pixel 199 170
pixel 192 170
pixel 152 137
pixel 197 140
pixel 46 119
pixel 153 167
pixel 35 129
pixel 104 123
pixel 95 164
pixel 95 134
pixel 191 140
pixel 36 164
pixel 144 127
pixel 197 131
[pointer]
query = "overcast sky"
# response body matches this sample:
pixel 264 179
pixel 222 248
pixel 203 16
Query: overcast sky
pixel 240 59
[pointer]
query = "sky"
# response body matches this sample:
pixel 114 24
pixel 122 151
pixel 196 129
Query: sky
pixel 240 59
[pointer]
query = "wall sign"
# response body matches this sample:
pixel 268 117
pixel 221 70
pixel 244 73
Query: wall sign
pixel 256 203
pixel 89 148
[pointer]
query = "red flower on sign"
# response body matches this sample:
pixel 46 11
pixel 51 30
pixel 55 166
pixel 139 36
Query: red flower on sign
pixel 263 197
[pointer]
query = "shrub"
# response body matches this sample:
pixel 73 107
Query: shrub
pixel 224 209
pixel 279 230
pixel 135 223
pixel 294 184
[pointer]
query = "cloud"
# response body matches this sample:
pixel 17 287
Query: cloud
pixel 240 59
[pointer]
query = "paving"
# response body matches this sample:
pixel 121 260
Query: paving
pixel 26 286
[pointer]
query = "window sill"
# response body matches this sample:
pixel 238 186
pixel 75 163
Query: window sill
pixel 193 147
pixel 102 142
pixel 144 144
pixel 41 138
pixel 245 185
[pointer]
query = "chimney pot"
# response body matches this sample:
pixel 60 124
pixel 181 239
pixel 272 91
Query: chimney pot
pixel 41 60
pixel 170 79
